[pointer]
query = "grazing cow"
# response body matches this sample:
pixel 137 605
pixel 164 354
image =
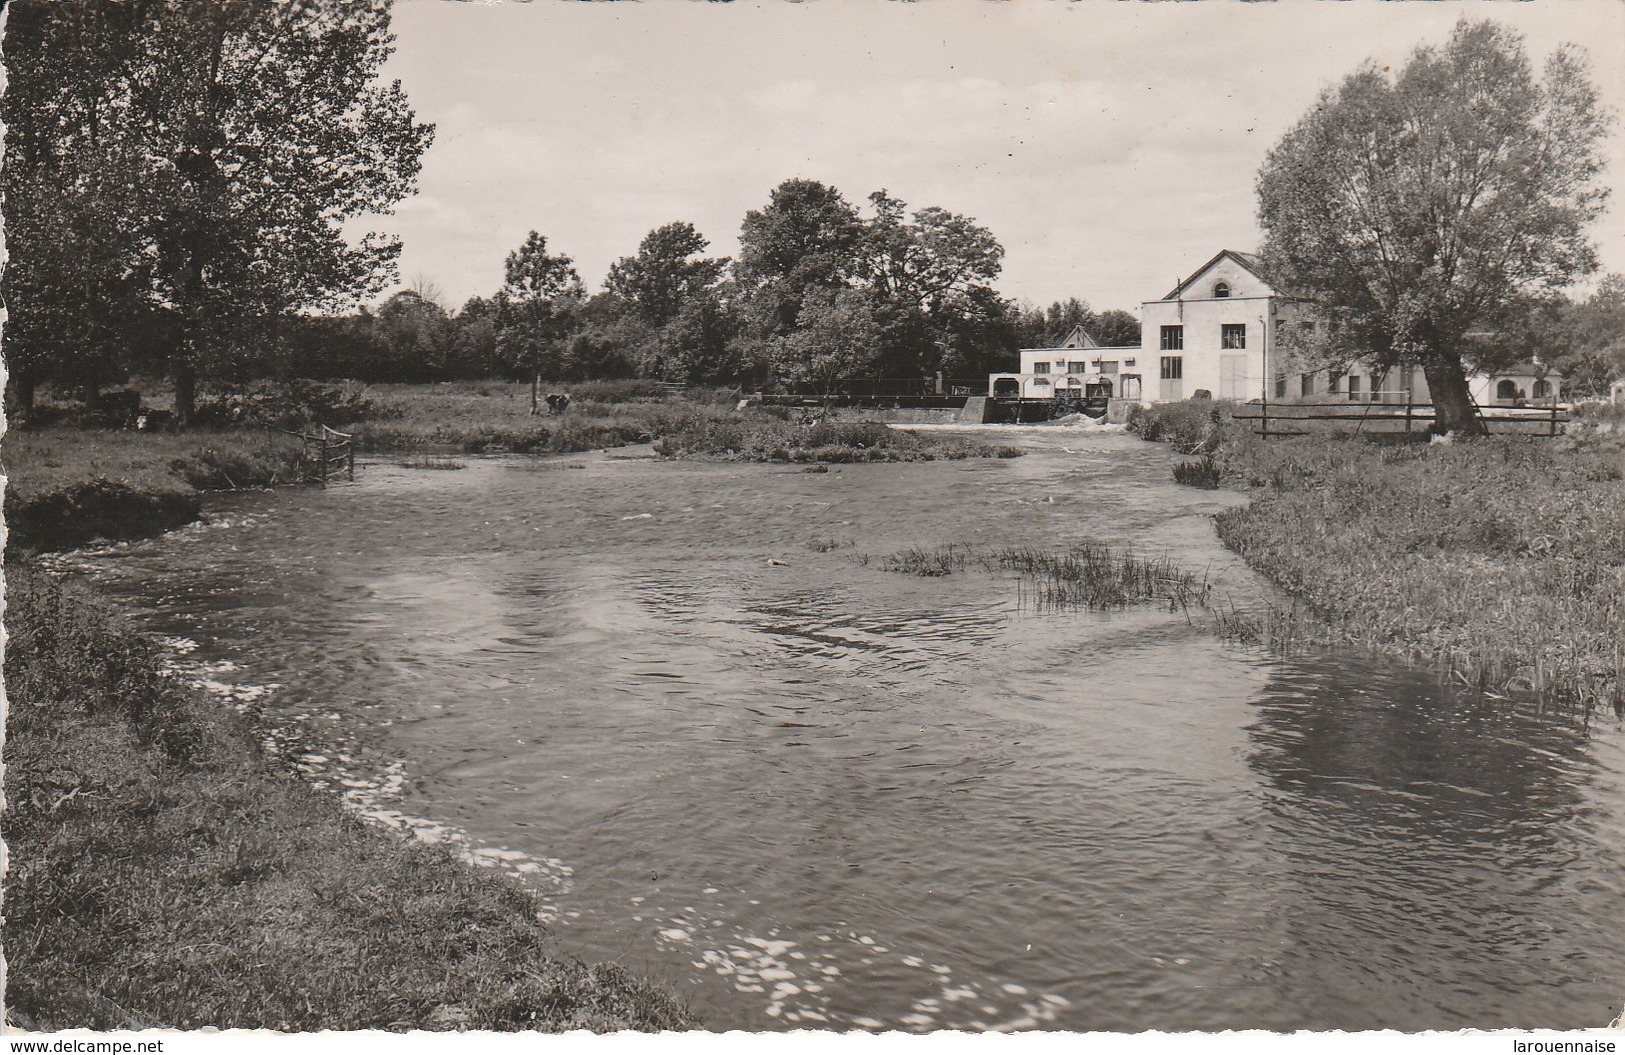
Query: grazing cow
pixel 557 402
pixel 120 408
pixel 155 421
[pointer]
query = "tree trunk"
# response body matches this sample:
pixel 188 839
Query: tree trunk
pixel 185 391
pixel 20 391
pixel 1453 409
pixel 535 392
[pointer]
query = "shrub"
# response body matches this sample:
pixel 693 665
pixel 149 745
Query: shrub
pixel 1192 427
pixel 1203 472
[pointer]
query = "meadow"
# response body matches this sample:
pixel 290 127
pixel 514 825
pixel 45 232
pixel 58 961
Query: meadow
pixel 1499 560
pixel 72 481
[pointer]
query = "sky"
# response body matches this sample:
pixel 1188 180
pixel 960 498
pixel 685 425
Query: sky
pixel 1111 147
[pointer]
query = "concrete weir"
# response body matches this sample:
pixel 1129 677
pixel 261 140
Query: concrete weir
pixel 974 412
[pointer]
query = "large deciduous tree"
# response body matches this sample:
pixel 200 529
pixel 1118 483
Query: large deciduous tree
pixel 668 272
pixel 244 135
pixel 537 309
pixel 676 320
pixel 913 287
pixel 1442 199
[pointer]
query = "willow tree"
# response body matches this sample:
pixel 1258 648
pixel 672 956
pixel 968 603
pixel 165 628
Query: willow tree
pixel 1441 199
pixel 248 134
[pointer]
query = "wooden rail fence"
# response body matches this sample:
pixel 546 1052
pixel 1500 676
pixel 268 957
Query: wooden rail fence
pixel 328 453
pixel 1301 419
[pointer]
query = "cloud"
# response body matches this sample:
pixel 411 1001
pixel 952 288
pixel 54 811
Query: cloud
pixel 1108 147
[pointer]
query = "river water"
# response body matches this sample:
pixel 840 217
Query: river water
pixel 806 792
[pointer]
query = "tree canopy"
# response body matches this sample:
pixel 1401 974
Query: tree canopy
pixel 915 287
pixel 227 144
pixel 537 308
pixel 1443 198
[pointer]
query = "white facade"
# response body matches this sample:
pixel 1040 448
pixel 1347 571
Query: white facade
pixel 1078 366
pixel 1219 332
pixel 1215 332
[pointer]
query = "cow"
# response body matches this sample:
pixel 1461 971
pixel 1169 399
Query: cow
pixel 557 402
pixel 119 409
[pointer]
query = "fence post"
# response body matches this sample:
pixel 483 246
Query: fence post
pixel 323 462
pixel 349 451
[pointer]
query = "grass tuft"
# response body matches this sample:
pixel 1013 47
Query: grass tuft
pixel 1203 472
pixel 1087 576
pixel 433 461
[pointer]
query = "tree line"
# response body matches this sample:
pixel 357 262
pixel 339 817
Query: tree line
pixel 179 179
pixel 819 292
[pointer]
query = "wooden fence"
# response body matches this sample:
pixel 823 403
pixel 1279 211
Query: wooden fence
pixel 1302 418
pixel 328 453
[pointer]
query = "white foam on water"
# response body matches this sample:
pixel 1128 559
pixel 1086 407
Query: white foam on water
pixel 803 985
pixel 365 789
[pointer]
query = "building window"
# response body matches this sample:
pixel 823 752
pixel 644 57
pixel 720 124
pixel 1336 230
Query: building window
pixel 1507 390
pixel 1173 367
pixel 1173 339
pixel 1543 389
pixel 1334 381
pixel 1077 368
pixel 1306 385
pixel 1040 368
pixel 1108 366
pixel 1280 386
pixel 1222 290
pixel 1233 335
pixel 1354 386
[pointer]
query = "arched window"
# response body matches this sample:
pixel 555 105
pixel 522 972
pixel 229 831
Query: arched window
pixel 1507 390
pixel 1222 290
pixel 1543 389
pixel 1006 386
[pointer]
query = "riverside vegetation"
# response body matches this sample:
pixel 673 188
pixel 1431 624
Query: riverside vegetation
pixel 71 484
pixel 1501 560
pixel 163 876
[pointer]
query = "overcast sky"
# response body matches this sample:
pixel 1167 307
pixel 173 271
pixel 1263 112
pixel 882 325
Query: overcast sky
pixel 1111 147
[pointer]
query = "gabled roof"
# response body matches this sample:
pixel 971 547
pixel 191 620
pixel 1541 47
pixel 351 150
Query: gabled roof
pixel 1079 338
pixel 1076 340
pixel 1249 261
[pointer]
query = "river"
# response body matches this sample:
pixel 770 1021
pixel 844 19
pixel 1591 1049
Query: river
pixel 802 791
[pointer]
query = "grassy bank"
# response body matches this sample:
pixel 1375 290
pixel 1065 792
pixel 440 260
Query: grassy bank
pixel 71 485
pixel 68 486
pixel 758 435
pixel 495 416
pixel 162 875
pixel 474 417
pixel 1502 560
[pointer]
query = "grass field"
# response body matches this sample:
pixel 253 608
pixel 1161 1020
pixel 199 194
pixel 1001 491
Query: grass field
pixel 70 485
pixel 1501 560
